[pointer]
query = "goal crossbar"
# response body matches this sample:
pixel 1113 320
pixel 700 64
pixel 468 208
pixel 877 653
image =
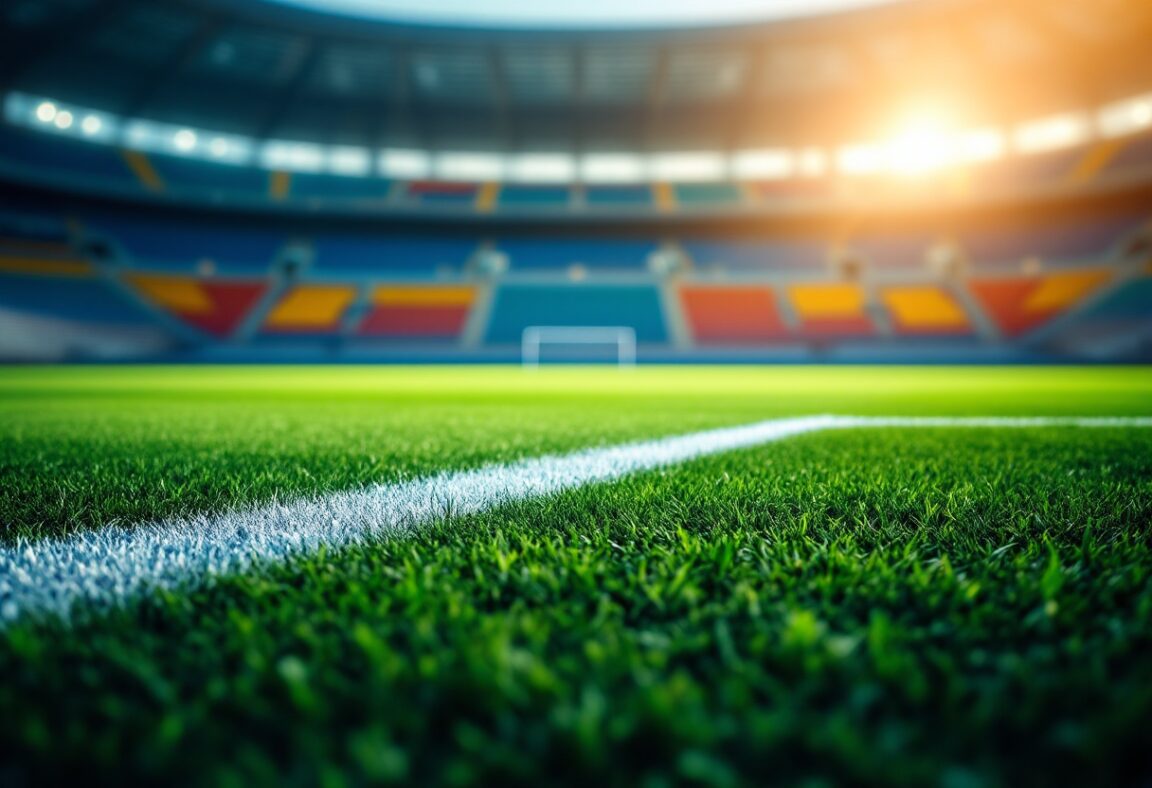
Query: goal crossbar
pixel 623 337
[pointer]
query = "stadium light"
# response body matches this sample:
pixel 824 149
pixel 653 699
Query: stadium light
pixel 350 161
pixel 462 166
pixel 979 145
pixel 688 166
pixel 1125 117
pixel 612 168
pixel 63 120
pixel 397 163
pixel 541 168
pixel 1052 133
pixel 91 125
pixel 46 112
pixel 184 140
pixel 920 148
pixel 811 163
pixel 864 158
pixel 766 164
pixel 296 156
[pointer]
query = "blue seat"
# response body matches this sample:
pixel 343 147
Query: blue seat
pixel 1064 240
pixel 560 253
pixel 321 187
pixel 80 300
pixel 368 253
pixel 188 176
pixel 622 195
pixel 535 196
pixel 1130 303
pixel 518 306
pixel 47 154
pixel 779 254
pixel 180 246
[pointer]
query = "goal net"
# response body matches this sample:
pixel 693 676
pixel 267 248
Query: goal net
pixel 578 344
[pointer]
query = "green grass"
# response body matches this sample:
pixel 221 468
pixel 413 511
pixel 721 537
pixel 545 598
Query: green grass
pixel 892 607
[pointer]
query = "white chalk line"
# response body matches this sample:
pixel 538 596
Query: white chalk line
pixel 110 565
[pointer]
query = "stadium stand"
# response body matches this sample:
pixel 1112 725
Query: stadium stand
pixel 219 181
pixel 215 307
pixel 45 156
pixel 442 194
pixel 1083 239
pixel 831 309
pixel 320 187
pixel 722 194
pixel 310 309
pixel 518 306
pixel 535 196
pixel 924 309
pixel 639 196
pixel 559 253
pixel 722 314
pixel 418 311
pixel 758 255
pixel 70 295
pixel 1019 304
pixel 187 247
pixel 389 253
pixel 1133 157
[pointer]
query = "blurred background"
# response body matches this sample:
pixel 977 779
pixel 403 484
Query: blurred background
pixel 343 180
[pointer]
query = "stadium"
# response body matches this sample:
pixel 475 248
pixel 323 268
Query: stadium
pixel 744 392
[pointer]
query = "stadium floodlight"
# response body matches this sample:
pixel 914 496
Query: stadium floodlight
pixel 184 140
pixel 622 337
pixel 864 158
pixel 811 162
pixel 350 161
pixel 978 145
pixel 63 120
pixel 612 168
pixel 688 166
pixel 920 149
pixel 296 156
pixel 462 166
pixel 765 164
pixel 1125 117
pixel 46 111
pixel 400 163
pixel 91 125
pixel 1052 133
pixel 541 168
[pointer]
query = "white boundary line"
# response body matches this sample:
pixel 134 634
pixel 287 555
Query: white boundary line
pixel 112 564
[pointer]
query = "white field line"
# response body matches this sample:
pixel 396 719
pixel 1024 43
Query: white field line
pixel 112 564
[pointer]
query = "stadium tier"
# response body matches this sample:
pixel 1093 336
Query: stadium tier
pixel 205 282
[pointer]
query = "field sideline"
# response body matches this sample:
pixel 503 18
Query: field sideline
pixel 896 605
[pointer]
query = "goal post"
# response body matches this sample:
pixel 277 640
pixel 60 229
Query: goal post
pixel 622 337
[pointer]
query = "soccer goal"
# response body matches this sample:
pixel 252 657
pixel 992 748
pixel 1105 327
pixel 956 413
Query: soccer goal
pixel 621 338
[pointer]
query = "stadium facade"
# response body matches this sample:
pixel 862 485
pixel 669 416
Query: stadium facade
pixel 209 180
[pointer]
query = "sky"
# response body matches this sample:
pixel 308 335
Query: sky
pixel 580 13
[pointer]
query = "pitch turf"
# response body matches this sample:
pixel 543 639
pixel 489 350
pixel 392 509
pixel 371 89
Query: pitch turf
pixel 951 606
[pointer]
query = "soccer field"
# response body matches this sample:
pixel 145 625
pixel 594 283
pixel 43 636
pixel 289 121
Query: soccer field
pixel 948 602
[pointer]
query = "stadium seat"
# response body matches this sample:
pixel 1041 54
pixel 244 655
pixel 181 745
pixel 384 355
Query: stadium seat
pixel 185 246
pixel 418 311
pixel 1134 157
pixel 319 187
pixel 639 195
pixel 84 164
pixel 187 176
pixel 831 310
pixel 1019 304
pixel 518 306
pixel 512 196
pixel 706 194
pixel 442 193
pixel 924 309
pixel 79 299
pixel 368 253
pixel 752 255
pixel 725 314
pixel 311 309
pixel 1082 239
pixel 1128 307
pixel 560 253
pixel 216 307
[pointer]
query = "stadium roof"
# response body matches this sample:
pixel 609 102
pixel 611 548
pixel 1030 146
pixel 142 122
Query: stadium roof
pixel 584 14
pixel 270 72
